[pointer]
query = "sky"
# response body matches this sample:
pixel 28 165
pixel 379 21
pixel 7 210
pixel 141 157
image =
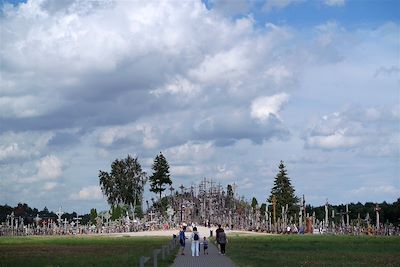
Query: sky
pixel 224 89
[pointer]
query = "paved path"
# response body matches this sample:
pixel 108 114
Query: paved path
pixel 212 259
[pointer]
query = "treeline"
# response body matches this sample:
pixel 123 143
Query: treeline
pixel 389 213
pixel 28 214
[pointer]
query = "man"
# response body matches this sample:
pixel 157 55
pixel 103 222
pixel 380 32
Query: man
pixel 217 232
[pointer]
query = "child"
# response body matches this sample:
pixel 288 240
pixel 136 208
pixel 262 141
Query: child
pixel 182 239
pixel 205 246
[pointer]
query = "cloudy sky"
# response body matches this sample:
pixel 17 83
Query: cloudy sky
pixel 225 89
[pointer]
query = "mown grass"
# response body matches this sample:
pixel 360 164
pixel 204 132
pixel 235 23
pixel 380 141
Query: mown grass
pixel 255 251
pixel 80 251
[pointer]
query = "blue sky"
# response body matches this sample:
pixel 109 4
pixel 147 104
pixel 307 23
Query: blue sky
pixel 225 89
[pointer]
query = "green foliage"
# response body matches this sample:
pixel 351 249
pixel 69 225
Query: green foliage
pixel 93 215
pixel 118 211
pixel 254 204
pixel 321 250
pixel 263 209
pixel 125 183
pixel 160 177
pixel 283 192
pixel 390 213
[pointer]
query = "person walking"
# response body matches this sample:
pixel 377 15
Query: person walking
pixel 205 245
pixel 195 238
pixel 217 232
pixel 222 240
pixel 182 239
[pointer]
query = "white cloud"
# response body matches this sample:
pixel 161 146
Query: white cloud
pixel 23 145
pixel 49 186
pixel 381 189
pixel 333 141
pixel 173 76
pixel 179 86
pixel 265 106
pixel 88 193
pixel 279 74
pixel 24 106
pixel 12 151
pixel 191 151
pixel 49 168
pixel 366 130
pixel 335 2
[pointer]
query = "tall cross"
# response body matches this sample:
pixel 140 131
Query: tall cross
pixel 77 219
pixel 274 207
pixel 377 210
pixel 37 219
pixel 59 213
pixel 65 223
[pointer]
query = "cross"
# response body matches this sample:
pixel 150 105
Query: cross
pixel 234 187
pixel 37 219
pixel 12 219
pixel 65 223
pixel 151 215
pixel 77 221
pixel 59 213
pixel 274 207
pixel 377 210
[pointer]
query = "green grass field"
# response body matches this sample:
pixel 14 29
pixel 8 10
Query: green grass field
pixel 79 251
pixel 309 250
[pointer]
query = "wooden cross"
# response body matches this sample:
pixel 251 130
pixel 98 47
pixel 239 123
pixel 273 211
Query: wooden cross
pixel 274 207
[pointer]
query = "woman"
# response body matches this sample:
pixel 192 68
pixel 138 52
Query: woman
pixel 195 238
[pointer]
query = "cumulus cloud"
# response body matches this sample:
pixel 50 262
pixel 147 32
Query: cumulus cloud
pixel 24 145
pixel 88 193
pixel 263 107
pixel 336 140
pixel 367 130
pixel 49 168
pixel 190 152
pixel 89 81
pixel 12 151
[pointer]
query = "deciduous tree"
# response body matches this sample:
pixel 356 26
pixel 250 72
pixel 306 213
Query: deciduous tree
pixel 125 183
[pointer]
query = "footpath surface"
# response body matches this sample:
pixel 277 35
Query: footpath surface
pixel 212 259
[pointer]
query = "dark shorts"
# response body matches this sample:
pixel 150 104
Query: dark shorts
pixel 182 242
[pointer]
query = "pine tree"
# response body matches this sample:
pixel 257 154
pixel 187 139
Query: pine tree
pixel 283 192
pixel 254 204
pixel 160 177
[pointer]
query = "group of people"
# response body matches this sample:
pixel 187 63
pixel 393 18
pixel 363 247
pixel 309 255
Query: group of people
pixel 196 242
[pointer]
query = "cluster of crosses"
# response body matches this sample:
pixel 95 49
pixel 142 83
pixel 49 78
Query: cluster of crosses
pixel 207 204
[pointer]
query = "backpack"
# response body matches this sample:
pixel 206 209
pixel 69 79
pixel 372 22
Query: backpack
pixel 196 237
pixel 222 238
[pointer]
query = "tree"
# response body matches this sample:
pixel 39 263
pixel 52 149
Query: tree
pixel 229 199
pixel 254 204
pixel 160 177
pixel 283 192
pixel 125 183
pixel 93 215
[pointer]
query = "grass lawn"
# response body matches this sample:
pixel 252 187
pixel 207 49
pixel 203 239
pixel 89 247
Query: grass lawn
pixel 80 251
pixel 296 250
